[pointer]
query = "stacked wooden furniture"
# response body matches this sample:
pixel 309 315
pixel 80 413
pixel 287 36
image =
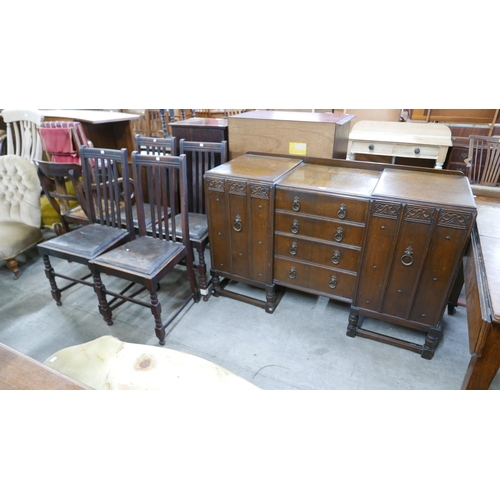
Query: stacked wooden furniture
pixel 322 135
pixel 387 239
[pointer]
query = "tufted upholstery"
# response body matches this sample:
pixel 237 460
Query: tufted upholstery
pixel 20 216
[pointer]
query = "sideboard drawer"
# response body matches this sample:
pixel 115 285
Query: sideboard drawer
pixel 379 148
pixel 322 229
pixel 324 254
pixel 412 151
pixel 323 205
pixel 332 282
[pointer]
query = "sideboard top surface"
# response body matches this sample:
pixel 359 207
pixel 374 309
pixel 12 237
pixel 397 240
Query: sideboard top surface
pixel 425 187
pixel 253 167
pixel 333 179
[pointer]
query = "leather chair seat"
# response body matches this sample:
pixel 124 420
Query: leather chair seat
pixel 86 242
pixel 144 255
pixel 198 226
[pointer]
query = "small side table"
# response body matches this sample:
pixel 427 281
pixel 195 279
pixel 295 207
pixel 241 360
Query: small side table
pixel 403 139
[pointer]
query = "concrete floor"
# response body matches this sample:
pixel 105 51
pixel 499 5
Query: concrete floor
pixel 302 345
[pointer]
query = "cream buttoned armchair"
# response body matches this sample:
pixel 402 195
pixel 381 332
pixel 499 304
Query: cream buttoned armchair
pixel 20 215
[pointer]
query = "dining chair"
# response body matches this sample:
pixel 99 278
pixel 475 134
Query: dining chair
pixel 62 185
pixel 107 200
pixel 201 157
pixel 155 145
pixel 483 161
pixel 23 138
pixel 147 259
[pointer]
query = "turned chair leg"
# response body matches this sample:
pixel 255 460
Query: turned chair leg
pixel 49 272
pixel 156 312
pixel 100 291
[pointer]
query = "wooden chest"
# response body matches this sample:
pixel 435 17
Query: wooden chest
pixel 320 223
pixel 323 135
pixel 418 227
pixel 240 210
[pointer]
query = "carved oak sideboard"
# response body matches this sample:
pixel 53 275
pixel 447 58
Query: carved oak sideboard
pixel 386 239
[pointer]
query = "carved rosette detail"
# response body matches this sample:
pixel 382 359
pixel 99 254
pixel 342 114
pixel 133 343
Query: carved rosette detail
pixel 419 214
pixel 388 210
pixel 215 184
pixel 259 191
pixel 237 187
pixel 459 220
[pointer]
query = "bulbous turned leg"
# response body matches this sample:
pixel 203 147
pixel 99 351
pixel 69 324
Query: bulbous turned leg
pixel 12 264
pixel 49 272
pixel 202 271
pixel 156 311
pixel 215 283
pixel 100 291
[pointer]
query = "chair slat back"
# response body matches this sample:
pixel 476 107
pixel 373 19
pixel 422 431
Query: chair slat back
pixel 201 157
pixel 23 138
pixel 164 178
pixel 155 145
pixel 107 186
pixel 483 162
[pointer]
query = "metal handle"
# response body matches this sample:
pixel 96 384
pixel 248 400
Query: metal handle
pixel 333 282
pixel 339 235
pixel 417 151
pixel 292 273
pixel 237 226
pixel 295 226
pixel 371 147
pixel 407 257
pixel 342 211
pixel 336 257
pixel 293 248
pixel 296 204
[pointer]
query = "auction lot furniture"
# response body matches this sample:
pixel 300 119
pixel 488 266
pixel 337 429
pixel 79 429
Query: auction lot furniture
pixel 387 239
pixel 105 129
pixel 322 135
pixel 400 139
pixel 200 129
pixel 482 286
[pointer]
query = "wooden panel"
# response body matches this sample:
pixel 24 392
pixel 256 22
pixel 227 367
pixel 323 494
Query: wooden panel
pixel 219 228
pixel 261 241
pixel 238 217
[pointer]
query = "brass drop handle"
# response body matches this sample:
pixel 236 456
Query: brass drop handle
pixel 237 226
pixel 336 257
pixel 342 211
pixel 407 257
pixel 295 226
pixel 293 248
pixel 333 282
pixel 292 273
pixel 296 204
pixel 339 235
